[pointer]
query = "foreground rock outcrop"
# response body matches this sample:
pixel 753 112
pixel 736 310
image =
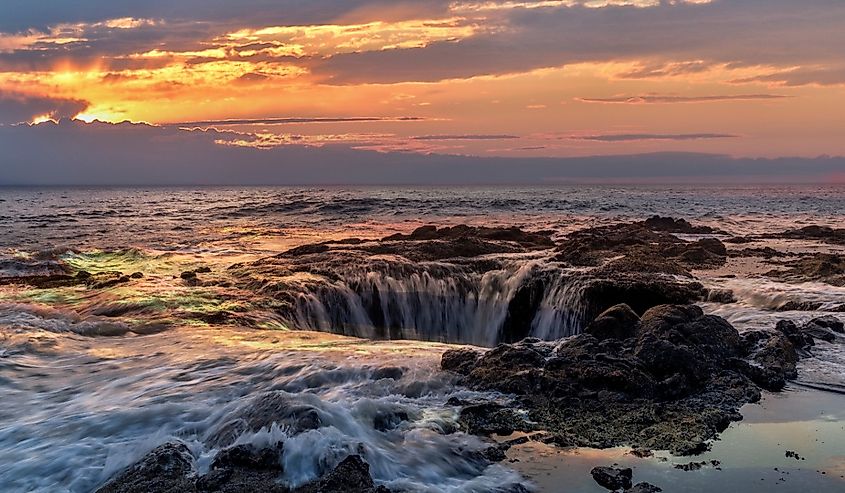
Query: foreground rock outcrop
pixel 671 379
pixel 240 469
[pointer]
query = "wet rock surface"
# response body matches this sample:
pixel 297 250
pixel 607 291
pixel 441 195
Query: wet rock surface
pixel 167 469
pixel 669 380
pixel 263 411
pixel 240 469
pixel 647 246
pixel 100 280
pixel 612 478
pixel 480 285
pixel 824 234
pixel 821 267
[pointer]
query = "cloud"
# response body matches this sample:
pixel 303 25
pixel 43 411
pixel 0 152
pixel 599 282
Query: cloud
pixel 290 121
pixel 670 99
pixel 19 108
pixel 465 137
pixel 635 137
pixel 671 39
pixel 135 154
pixel 382 41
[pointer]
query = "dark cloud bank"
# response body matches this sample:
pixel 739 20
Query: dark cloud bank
pixel 134 154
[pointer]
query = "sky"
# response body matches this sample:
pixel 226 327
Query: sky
pixel 396 91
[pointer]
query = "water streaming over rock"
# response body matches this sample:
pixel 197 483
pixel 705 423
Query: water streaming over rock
pixel 446 303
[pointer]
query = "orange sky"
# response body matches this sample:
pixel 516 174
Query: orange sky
pixel 500 78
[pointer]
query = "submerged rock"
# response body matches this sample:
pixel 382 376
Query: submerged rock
pixel 825 234
pixel 828 322
pixel 273 408
pixel 819 267
pixel 644 488
pixel 613 478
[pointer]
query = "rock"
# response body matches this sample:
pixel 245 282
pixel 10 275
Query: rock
pixel 798 306
pixel 640 292
pixel 489 418
pixel 828 322
pixel 774 352
pixel 263 411
pixel 510 368
pixel 673 381
pixel 611 478
pixel 725 296
pixel 238 469
pixel 166 469
pixel 391 372
pixel 644 488
pixel 646 245
pixel 244 468
pixel 821 233
pixel 460 361
pixel 249 457
pixel 799 339
pixel 388 419
pixel 137 275
pixel 672 225
pixel 818 332
pixel 819 267
pixel 617 322
pixel 188 275
pixel 352 475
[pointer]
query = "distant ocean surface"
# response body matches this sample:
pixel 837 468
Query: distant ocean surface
pixel 180 218
pixel 79 406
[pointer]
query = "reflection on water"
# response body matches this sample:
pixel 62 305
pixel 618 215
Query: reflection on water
pixel 751 455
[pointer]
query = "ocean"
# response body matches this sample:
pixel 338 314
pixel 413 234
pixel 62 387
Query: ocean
pixel 93 377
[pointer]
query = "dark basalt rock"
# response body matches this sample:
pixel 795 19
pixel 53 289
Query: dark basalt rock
pixel 762 252
pixel 672 225
pixel 460 360
pixel 239 469
pixel 489 418
pixel 617 322
pixel 640 292
pixel 352 475
pixel 820 267
pixel 167 469
pixel 821 233
pixel 803 306
pixel 669 380
pixel 724 296
pixel 644 488
pixel 244 468
pixel 264 411
pixel 100 280
pixel 646 246
pixel 612 478
pixel 828 322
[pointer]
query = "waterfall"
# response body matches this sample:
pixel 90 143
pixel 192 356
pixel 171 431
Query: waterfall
pixel 443 302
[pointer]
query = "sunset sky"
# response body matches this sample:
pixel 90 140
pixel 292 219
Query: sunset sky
pixel 515 79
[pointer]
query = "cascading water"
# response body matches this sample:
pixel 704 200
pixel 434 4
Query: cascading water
pixel 445 302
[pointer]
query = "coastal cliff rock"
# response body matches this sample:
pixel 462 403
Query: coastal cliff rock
pixel 671 379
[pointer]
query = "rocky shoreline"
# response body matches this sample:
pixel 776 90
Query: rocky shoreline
pixel 646 367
